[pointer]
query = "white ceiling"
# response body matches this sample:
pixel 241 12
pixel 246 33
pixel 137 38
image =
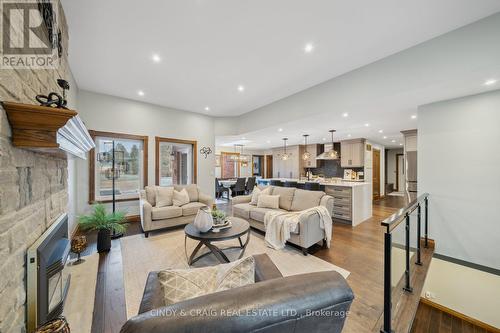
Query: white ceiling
pixel 208 48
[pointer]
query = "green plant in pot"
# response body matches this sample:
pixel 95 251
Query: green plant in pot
pixel 104 224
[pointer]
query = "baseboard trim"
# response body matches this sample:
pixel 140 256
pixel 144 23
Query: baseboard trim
pixel 457 314
pixel 133 218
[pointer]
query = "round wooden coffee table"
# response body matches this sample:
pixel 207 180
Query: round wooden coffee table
pixel 239 228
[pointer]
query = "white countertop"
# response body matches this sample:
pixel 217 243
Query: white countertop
pixel 343 183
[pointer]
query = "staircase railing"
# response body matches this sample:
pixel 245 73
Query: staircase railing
pixel 391 223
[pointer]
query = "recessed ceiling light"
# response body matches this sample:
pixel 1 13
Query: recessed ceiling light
pixel 324 139
pixel 381 131
pixel 348 135
pixel 140 93
pixel 243 138
pixel 241 88
pixel 393 141
pixel 156 58
pixel 367 125
pixel 268 141
pixel 413 116
pixel 207 108
pixel 384 137
pixel 400 144
pixel 490 82
pixel 345 114
pixel 308 48
pixel 280 130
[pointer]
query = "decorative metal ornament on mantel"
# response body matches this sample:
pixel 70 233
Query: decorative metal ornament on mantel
pixel 285 156
pixel 306 155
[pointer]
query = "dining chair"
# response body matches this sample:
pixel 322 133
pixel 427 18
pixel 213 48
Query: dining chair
pixel 220 190
pixel 250 185
pixel 238 188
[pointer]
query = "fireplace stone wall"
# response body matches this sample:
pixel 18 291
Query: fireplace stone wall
pixel 33 186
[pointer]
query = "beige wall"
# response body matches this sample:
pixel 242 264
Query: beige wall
pixel 465 290
pixel 113 114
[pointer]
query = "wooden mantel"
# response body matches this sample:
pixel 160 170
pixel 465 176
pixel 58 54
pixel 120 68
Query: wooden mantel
pixel 46 129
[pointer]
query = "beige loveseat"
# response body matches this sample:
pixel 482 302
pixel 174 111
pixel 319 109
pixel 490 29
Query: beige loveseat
pixel 153 218
pixel 291 199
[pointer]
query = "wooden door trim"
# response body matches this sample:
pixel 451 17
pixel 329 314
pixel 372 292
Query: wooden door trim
pixel 159 140
pixel 373 174
pixel 397 170
pixel 93 135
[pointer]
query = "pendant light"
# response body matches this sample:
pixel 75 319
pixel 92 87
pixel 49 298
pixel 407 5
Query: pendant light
pixel 285 156
pixel 306 155
pixel 238 155
pixel 332 153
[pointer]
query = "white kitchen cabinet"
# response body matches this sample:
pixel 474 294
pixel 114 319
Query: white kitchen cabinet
pixel 352 153
pixel 289 168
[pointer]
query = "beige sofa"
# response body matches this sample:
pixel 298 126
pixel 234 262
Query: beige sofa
pixel 291 199
pixel 153 218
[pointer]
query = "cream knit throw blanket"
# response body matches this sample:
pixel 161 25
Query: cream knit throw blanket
pixel 279 225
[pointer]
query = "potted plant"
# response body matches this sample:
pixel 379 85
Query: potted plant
pixel 104 224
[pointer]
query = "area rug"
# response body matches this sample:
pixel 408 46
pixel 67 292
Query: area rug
pixel 79 305
pixel 162 251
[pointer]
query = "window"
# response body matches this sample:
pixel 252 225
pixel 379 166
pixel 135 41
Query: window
pixel 130 166
pixel 176 162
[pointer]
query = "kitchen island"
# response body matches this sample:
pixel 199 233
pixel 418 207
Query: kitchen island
pixel 352 200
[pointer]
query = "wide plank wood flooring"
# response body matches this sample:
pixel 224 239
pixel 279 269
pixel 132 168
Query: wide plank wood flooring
pixel 359 250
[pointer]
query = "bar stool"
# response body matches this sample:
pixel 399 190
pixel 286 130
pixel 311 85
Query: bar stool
pixel 275 182
pixel 311 186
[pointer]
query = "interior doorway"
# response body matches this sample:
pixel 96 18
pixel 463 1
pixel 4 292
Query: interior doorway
pixel 376 174
pixel 400 173
pixel 269 166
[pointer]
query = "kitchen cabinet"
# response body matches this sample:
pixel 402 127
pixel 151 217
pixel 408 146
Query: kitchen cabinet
pixel 352 203
pixel 352 153
pixel 289 168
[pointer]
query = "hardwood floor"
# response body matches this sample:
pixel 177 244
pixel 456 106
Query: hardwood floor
pixel 359 250
pixel 430 319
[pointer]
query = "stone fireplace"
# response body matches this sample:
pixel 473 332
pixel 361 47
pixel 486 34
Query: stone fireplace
pixel 33 186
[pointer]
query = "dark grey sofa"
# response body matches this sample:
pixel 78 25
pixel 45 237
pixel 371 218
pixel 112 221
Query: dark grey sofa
pixel 314 302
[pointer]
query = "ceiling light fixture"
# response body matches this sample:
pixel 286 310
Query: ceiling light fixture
pixel 400 144
pixel 413 116
pixel 333 153
pixel 345 114
pixel 207 108
pixel 324 139
pixel 385 137
pixel 490 82
pixel 156 58
pixel 308 48
pixel 280 130
pixel 393 141
pixel 306 154
pixel 241 88
pixel 238 155
pixel 140 93
pixel 348 135
pixel 381 131
pixel 285 156
pixel 268 141
pixel 367 125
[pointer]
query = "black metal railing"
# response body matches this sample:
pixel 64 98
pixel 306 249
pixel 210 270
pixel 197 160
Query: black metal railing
pixel 391 223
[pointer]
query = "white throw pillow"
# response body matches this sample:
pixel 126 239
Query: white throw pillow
pixel 164 196
pixel 180 198
pixel 269 201
pixel 257 192
pixel 181 284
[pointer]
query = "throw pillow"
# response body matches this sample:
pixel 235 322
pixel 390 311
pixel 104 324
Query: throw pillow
pixel 164 196
pixel 182 284
pixel 269 201
pixel 257 192
pixel 180 198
